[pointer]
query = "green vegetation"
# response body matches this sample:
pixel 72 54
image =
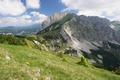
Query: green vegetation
pixel 11 39
pixel 117 71
pixel 19 40
pixel 23 63
pixel 83 61
pixel 16 40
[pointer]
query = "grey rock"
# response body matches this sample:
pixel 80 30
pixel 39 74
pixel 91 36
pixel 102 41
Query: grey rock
pixel 91 35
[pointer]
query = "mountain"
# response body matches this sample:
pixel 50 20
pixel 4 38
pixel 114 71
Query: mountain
pixel 22 30
pixel 91 35
pixel 116 25
pixel 62 50
pixel 53 19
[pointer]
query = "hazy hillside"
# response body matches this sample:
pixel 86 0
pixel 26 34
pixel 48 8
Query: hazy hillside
pixel 22 30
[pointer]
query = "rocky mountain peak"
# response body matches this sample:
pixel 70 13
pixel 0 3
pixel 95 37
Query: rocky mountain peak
pixel 91 35
pixel 54 18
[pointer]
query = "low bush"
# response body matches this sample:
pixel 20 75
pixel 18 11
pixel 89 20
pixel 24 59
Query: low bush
pixel 83 61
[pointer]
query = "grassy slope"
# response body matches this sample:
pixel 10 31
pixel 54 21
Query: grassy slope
pixel 22 63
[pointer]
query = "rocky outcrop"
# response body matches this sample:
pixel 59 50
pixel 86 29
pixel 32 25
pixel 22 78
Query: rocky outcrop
pixel 115 25
pixel 86 31
pixel 52 19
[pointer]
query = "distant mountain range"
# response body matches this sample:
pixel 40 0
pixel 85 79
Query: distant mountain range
pixel 24 30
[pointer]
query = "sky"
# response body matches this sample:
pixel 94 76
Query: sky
pixel 29 12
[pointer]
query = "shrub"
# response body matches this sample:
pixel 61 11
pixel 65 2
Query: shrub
pixel 83 61
pixel 29 43
pixel 60 55
pixel 64 59
pixel 41 40
pixel 117 71
pixel 11 39
pixel 31 37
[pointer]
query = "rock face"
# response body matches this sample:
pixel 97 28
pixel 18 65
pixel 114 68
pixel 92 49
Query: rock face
pixel 115 25
pixel 56 17
pixel 88 32
pixel 91 35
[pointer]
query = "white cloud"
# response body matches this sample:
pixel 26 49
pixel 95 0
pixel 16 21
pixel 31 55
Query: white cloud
pixel 90 13
pixel 39 18
pixel 11 13
pixel 15 21
pixel 95 7
pixel 11 7
pixel 33 4
pixel 16 7
pixel 24 20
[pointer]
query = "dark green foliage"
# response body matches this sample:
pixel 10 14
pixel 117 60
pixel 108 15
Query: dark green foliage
pixel 60 55
pixel 31 37
pixel 117 70
pixel 54 45
pixel 110 59
pixel 18 40
pixel 11 39
pixel 41 40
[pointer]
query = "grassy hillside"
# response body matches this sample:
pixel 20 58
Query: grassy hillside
pixel 23 63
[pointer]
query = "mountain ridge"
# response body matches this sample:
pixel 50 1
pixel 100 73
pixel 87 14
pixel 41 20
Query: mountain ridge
pixel 91 35
pixel 22 30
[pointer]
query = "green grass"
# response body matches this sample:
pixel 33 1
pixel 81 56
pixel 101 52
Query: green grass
pixel 23 63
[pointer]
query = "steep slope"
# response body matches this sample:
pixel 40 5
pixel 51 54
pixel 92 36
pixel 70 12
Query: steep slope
pixel 23 63
pixel 53 19
pixel 116 25
pixel 91 35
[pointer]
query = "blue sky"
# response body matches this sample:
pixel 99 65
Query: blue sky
pixel 28 12
pixel 49 7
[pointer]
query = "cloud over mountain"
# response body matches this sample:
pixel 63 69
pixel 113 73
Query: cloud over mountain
pixel 105 8
pixel 24 20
